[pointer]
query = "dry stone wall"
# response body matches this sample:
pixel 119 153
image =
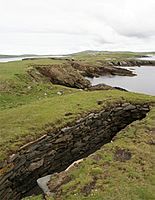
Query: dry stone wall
pixel 55 151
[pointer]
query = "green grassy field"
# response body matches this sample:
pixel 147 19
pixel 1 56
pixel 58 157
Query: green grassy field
pixel 17 88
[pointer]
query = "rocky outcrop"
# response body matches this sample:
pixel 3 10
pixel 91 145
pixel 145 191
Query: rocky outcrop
pixel 56 150
pixel 96 70
pixel 100 87
pixel 103 86
pixel 62 74
pixel 72 74
pixel 128 63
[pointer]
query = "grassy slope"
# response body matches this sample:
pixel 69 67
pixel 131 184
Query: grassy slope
pixel 9 69
pixel 16 88
pixel 132 179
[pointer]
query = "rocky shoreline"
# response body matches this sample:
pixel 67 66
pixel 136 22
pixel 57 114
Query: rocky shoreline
pixel 73 73
pixel 129 63
pixel 89 70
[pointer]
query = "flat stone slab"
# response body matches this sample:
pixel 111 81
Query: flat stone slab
pixel 42 182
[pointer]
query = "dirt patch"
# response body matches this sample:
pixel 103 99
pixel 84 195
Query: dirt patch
pixel 57 180
pixel 96 157
pixel 152 131
pixel 86 190
pixel 122 155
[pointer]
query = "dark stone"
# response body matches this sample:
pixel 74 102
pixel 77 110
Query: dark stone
pixel 121 89
pixel 129 107
pixel 68 114
pixel 99 102
pixel 86 190
pixel 100 87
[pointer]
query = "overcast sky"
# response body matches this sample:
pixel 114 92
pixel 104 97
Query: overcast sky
pixel 63 26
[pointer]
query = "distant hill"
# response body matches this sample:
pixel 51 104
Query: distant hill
pixel 110 52
pixel 75 53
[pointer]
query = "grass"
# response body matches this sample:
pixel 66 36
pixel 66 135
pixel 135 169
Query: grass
pixel 17 88
pixel 25 93
pixel 133 179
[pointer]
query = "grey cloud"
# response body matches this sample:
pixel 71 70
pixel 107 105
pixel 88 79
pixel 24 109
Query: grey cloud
pixel 137 34
pixel 102 40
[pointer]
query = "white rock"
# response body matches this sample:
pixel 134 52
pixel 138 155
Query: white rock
pixel 42 182
pixel 59 93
